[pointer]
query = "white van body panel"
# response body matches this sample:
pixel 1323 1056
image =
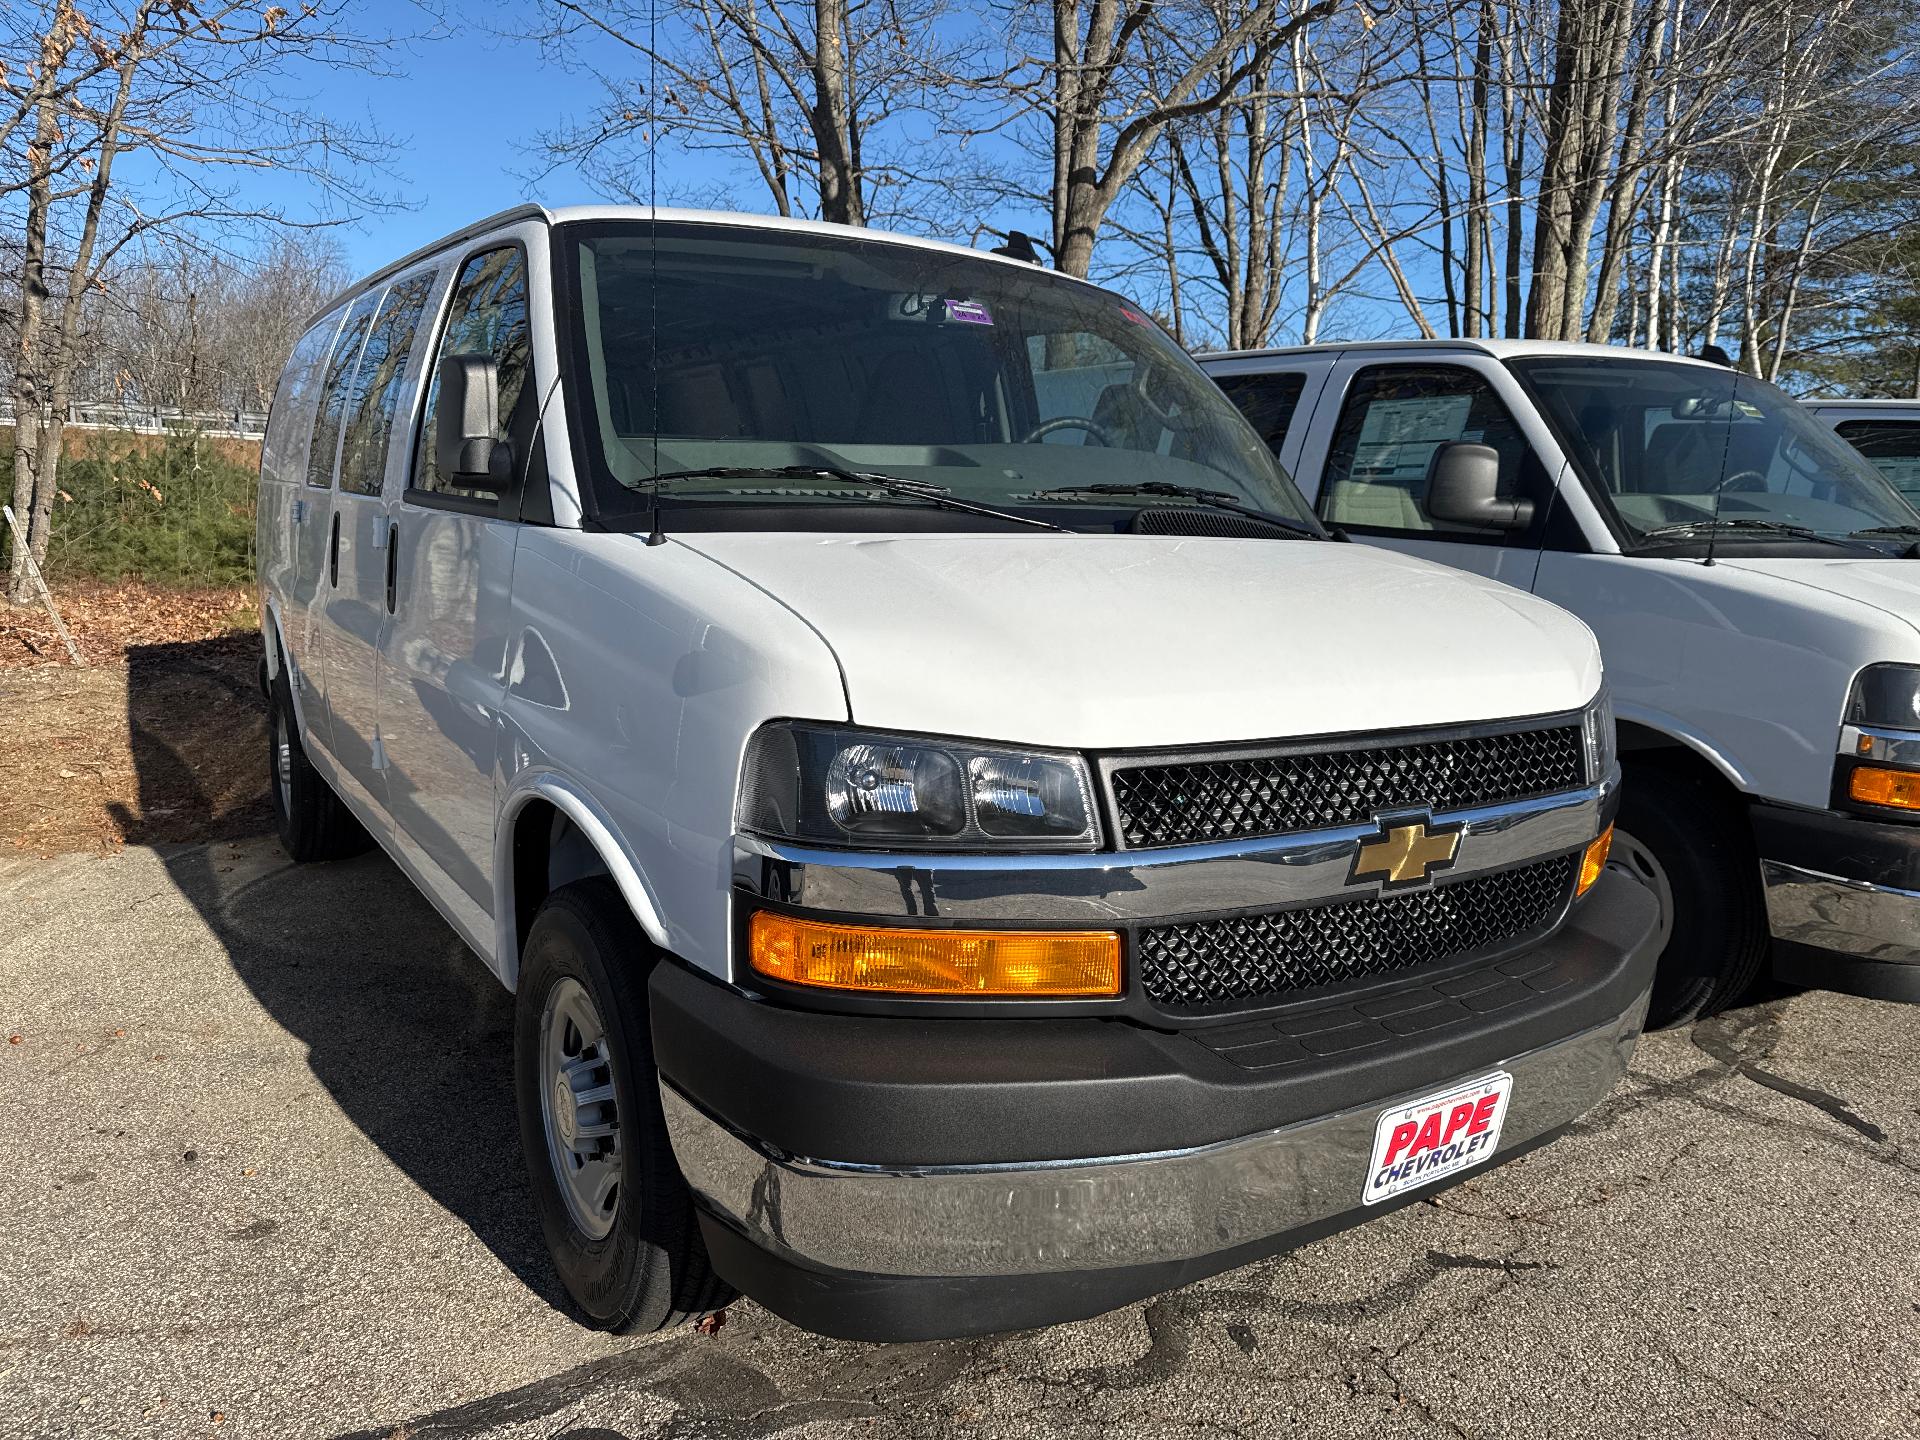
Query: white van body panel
pixel 638 672
pixel 1091 641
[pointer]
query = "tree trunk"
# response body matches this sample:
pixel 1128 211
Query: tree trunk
pixel 840 180
pixel 28 363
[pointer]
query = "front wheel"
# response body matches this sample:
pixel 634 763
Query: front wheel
pixel 1680 836
pixel 616 1213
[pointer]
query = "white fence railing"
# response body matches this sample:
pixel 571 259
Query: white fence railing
pixel 156 420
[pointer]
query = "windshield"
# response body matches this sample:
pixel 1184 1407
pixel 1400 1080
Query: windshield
pixel 705 346
pixel 1672 445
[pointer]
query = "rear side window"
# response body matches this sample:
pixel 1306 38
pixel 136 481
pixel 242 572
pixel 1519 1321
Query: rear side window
pixel 1892 445
pixel 1268 401
pixel 488 316
pixel 335 393
pixel 379 382
pixel 290 422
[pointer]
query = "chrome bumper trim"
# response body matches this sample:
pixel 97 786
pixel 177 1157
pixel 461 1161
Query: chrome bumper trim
pixel 1874 922
pixel 1109 887
pixel 1022 1219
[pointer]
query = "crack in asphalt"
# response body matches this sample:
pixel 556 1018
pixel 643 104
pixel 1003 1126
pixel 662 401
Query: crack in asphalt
pixel 1721 1038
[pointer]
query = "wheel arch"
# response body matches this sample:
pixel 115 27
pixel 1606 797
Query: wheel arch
pixel 1663 736
pixel 551 832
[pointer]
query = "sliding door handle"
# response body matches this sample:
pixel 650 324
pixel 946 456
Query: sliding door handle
pixel 333 553
pixel 393 563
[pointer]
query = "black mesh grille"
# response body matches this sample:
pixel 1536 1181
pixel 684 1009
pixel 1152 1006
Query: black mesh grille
pixel 1179 804
pixel 1216 962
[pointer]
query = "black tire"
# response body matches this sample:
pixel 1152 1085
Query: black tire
pixel 650 1271
pixel 1683 833
pixel 314 823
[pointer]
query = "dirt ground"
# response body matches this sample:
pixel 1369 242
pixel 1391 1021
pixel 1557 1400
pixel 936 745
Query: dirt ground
pixel 107 619
pixel 165 745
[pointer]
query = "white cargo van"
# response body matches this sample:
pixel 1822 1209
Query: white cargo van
pixel 1887 432
pixel 1748 576
pixel 969 849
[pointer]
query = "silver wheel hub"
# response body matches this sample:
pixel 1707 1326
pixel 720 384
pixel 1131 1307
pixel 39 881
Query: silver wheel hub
pixel 283 759
pixel 1629 855
pixel 580 1108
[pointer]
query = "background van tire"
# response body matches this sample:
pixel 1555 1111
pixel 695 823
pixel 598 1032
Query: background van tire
pixel 1684 836
pixel 640 1264
pixel 314 823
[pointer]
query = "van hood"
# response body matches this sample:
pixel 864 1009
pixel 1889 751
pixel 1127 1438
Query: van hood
pixel 1891 585
pixel 1115 641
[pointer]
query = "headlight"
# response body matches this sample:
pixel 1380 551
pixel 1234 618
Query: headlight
pixel 1885 697
pixel 1596 728
pixel 840 786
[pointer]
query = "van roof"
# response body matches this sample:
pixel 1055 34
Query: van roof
pixel 1841 402
pixel 564 214
pixel 1498 349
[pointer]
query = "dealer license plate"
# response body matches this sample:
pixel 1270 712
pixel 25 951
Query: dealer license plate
pixel 1436 1136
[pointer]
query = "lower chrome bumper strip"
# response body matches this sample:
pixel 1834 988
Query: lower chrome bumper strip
pixel 1874 922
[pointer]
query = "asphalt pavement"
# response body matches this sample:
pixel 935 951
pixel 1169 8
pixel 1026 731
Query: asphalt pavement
pixel 262 1180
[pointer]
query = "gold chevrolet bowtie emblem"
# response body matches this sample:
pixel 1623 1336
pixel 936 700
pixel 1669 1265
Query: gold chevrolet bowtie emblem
pixel 1405 854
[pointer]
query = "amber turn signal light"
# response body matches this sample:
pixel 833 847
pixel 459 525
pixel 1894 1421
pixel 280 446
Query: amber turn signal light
pixel 1595 860
pixel 1876 785
pixel 994 963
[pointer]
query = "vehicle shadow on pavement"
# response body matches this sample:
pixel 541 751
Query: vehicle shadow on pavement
pixel 406 1030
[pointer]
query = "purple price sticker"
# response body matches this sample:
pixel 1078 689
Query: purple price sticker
pixel 968 312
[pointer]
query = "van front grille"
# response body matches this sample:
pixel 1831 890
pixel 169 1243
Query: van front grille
pixel 1211 963
pixel 1183 802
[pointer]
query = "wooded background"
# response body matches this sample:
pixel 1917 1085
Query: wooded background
pixel 1669 173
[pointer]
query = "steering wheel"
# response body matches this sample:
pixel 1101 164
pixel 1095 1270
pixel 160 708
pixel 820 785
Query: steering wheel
pixel 1095 431
pixel 1746 481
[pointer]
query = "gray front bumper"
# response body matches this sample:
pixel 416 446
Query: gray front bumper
pixel 1096 1214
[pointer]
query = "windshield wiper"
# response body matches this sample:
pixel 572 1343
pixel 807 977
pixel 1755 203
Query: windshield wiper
pixel 1219 500
pixel 1884 530
pixel 1771 527
pixel 892 484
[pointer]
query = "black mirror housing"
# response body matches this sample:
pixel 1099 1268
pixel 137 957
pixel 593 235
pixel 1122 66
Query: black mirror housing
pixel 466 418
pixel 1463 488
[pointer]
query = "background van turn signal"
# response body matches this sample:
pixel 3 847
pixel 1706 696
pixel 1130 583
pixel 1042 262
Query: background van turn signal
pixel 1595 860
pixel 1004 963
pixel 1876 785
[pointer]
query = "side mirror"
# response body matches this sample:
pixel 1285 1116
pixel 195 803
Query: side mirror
pixel 1463 487
pixel 465 420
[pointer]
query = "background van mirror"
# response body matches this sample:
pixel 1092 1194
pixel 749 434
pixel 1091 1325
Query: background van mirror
pixel 1465 489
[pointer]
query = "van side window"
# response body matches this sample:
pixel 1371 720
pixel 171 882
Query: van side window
pixel 378 383
pixel 334 395
pixel 488 316
pixel 1394 422
pixel 1892 445
pixel 1268 401
pixel 290 419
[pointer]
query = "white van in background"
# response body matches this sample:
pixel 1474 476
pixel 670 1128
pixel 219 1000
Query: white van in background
pixel 1749 579
pixel 1887 432
pixel 969 849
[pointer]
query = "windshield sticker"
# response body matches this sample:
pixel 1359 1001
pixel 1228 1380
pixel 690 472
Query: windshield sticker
pixel 968 312
pixel 1134 315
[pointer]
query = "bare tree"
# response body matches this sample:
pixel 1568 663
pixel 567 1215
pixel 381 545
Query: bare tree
pixel 812 94
pixel 197 98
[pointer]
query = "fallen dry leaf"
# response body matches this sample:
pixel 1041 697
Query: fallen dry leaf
pixel 710 1324
pixel 15 1039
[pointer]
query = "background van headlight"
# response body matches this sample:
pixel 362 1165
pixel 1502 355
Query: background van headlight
pixel 1602 742
pixel 836 785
